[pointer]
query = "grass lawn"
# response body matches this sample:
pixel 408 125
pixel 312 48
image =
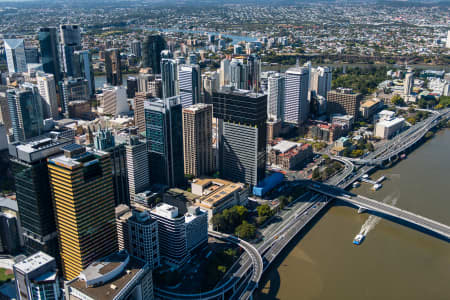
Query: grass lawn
pixel 5 275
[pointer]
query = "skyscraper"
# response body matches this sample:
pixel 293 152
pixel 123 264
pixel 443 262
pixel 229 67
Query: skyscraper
pixel 113 67
pixel 225 72
pixel 70 42
pixel 137 166
pixel 73 90
pixel 254 72
pixel 408 83
pixel 82 67
pixel 296 107
pixel 189 84
pixel 48 42
pixel 136 48
pixel 197 140
pixel 169 78
pixel 29 162
pixel 321 81
pixel 25 110
pixel 210 84
pixel 139 112
pixel 343 101
pixel 238 74
pixel 242 134
pixel 164 133
pixel 15 55
pixel 104 140
pixel 47 89
pixel 83 197
pixel 151 52
pixel 275 97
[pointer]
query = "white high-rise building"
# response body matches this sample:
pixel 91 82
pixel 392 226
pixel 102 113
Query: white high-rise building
pixel 169 78
pixel 113 101
pixel 296 107
pixel 47 90
pixel 238 74
pixel 408 83
pixel 137 167
pixel 224 72
pixel 448 39
pixel 15 55
pixel 275 97
pixel 320 81
pixel 189 84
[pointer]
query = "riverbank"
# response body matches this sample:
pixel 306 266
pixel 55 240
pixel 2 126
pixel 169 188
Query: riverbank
pixel 394 262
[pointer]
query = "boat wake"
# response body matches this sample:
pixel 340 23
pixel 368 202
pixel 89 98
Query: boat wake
pixel 372 221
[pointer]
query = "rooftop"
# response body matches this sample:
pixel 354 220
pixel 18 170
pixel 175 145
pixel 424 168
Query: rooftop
pixel 214 190
pixel 391 122
pixel 33 262
pixel 285 146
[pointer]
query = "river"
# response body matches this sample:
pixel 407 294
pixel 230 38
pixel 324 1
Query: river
pixel 394 262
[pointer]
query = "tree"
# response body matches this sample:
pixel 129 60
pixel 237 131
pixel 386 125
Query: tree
pixel 397 100
pixel 264 210
pixel 316 174
pixel 246 231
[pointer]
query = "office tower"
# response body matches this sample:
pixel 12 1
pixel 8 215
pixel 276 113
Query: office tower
pixel 196 221
pixel 169 78
pixel 171 233
pixel 15 55
pixel 25 111
pixel 238 74
pixel 104 140
pixel 73 89
pixel 48 43
pixel 82 67
pixel 4 108
pixel 143 235
pixel 9 228
pixel 118 276
pixel 296 104
pixel 137 167
pixel 210 84
pixel 242 134
pixel 164 133
pixel 30 169
pixel 37 278
pixel 113 67
pixel 343 101
pixel 254 72
pixel 189 84
pixel 139 112
pixel 83 197
pixel 112 101
pixel 224 72
pixel 151 52
pixel 275 97
pixel 32 55
pixel 136 48
pixel 237 49
pixel 132 86
pixel 197 140
pixel 47 89
pixel 70 34
pixel 123 213
pixel 321 81
pixel 408 83
pixel 166 54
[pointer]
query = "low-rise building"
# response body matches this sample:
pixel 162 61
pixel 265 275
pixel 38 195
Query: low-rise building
pixel 289 155
pixel 370 107
pixel 118 276
pixel 324 131
pixel 386 129
pixel 196 227
pixel 218 194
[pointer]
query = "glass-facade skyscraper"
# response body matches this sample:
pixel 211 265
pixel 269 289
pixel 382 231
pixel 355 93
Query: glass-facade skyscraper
pixel 164 133
pixel 48 42
pixel 151 52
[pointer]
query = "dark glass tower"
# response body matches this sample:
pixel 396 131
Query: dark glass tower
pixel 48 42
pixel 151 52
pixel 113 67
pixel 33 192
pixel 164 133
pixel 242 134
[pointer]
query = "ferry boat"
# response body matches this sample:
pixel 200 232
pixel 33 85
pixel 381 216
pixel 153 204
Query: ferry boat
pixel 356 184
pixel 376 186
pixel 403 156
pixel 358 239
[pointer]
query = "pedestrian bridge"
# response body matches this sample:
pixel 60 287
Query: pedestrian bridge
pixel 429 225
